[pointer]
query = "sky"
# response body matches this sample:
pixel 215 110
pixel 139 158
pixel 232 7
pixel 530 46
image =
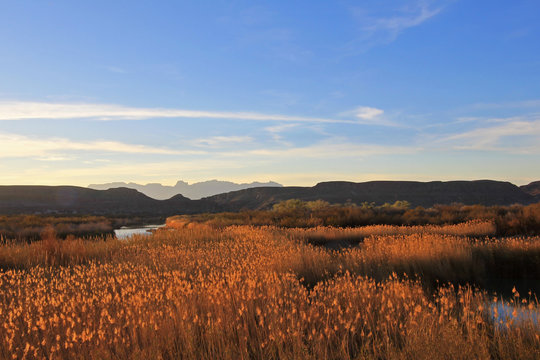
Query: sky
pixel 296 92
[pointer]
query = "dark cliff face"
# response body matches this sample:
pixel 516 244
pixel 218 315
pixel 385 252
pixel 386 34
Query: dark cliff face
pixel 123 201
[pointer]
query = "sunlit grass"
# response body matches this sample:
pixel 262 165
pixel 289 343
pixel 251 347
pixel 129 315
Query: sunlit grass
pixel 261 293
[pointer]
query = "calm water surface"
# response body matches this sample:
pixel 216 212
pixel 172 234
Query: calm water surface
pixel 126 232
pixel 501 314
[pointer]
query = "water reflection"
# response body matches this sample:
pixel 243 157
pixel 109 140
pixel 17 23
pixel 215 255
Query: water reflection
pixel 505 313
pixel 126 232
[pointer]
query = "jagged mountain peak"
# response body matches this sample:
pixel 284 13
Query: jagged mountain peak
pixel 193 191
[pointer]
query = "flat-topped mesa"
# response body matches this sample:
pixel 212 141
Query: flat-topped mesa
pixel 427 194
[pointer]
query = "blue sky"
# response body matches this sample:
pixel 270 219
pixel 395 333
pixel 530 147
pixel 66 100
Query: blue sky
pixel 291 91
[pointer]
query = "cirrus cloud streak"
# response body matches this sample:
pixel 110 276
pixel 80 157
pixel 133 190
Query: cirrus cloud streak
pixel 16 146
pixel 25 110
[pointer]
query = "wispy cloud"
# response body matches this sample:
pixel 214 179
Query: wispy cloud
pixel 511 135
pixel 85 173
pixel 220 141
pixel 385 28
pixel 55 149
pixel 370 116
pixel 53 158
pixel 22 110
pixel 367 113
pixel 333 149
pixel 408 17
pixel 276 131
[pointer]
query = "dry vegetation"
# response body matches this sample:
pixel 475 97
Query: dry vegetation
pixel 245 292
pixel 25 228
pixel 508 220
pixel 30 227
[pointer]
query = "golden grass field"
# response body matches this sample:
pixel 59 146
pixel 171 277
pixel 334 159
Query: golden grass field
pixel 244 292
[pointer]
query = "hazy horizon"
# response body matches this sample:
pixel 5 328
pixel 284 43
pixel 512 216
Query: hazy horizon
pixel 297 93
pixel 171 184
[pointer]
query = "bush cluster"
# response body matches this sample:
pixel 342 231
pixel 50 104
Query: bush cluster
pixel 509 220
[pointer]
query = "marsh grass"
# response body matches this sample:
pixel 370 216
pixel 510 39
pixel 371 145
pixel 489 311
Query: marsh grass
pixel 54 251
pixel 260 293
pixel 335 238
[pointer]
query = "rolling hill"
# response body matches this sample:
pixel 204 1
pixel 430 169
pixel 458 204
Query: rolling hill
pixel 532 189
pixel 123 201
pixel 79 200
pixel 426 194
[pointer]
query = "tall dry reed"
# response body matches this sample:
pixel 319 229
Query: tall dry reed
pixel 240 293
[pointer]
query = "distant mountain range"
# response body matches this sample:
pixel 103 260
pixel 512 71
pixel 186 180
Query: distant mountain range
pixel 123 201
pixel 194 191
